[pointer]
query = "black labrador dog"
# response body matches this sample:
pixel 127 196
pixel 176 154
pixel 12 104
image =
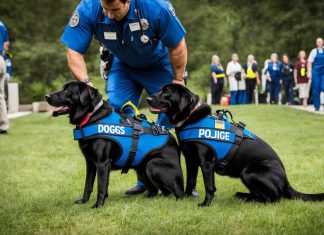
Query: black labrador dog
pixel 254 161
pixel 160 168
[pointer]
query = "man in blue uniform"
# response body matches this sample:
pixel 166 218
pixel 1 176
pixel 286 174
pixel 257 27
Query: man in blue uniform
pixel 146 38
pixel 275 78
pixel 316 71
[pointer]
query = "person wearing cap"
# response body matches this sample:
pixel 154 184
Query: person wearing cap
pixel 316 72
pixel 146 39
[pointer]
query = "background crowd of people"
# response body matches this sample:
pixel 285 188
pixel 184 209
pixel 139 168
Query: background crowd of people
pixel 5 72
pixel 305 76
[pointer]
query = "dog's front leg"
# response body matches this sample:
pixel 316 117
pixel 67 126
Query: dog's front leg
pixel 209 181
pixel 103 171
pixel 192 172
pixel 90 178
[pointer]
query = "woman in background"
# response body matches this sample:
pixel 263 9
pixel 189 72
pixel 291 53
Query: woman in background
pixel 236 83
pixel 300 77
pixel 251 75
pixel 217 79
pixel 275 78
pixel 287 72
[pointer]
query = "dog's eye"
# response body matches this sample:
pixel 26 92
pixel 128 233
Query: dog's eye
pixel 67 90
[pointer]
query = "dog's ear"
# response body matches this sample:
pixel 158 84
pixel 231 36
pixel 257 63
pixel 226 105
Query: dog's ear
pixel 94 95
pixel 186 101
pixel 84 96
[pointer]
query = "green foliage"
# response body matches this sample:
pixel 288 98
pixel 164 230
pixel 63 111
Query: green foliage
pixel 221 27
pixel 42 172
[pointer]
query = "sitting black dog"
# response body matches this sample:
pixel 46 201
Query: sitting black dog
pixel 215 144
pixel 111 141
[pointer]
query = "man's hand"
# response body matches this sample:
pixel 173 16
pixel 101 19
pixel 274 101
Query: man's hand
pixel 180 82
pixel 91 84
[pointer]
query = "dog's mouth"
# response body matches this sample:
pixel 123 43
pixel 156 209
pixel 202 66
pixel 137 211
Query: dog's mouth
pixel 156 110
pixel 60 111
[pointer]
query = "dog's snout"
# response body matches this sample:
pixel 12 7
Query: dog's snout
pixel 47 97
pixel 149 99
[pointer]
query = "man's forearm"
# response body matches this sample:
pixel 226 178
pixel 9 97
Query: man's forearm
pixel 77 65
pixel 178 59
pixel 309 69
pixel 6 46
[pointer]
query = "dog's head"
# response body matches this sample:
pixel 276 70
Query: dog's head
pixel 176 101
pixel 76 99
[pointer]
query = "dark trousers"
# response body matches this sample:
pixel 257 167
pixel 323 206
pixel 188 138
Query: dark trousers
pixel 250 87
pixel 274 92
pixel 288 87
pixel 216 90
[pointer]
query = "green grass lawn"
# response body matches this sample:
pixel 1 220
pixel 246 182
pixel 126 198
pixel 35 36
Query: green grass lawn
pixel 42 172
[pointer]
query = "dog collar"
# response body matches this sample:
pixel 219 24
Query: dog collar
pixel 179 124
pixel 88 116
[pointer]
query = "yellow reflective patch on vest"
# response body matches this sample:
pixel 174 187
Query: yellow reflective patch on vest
pixel 250 74
pixel 220 124
pixel 303 72
pixel 221 75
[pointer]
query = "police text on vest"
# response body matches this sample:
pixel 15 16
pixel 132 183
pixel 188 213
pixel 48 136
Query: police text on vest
pixel 214 134
pixel 111 129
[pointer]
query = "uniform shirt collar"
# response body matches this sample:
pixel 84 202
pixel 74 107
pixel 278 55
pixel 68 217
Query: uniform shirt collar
pixel 130 15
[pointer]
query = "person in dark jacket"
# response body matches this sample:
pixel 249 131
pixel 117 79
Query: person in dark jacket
pixel 287 71
pixel 216 80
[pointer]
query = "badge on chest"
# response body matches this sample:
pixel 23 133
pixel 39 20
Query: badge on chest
pixel 110 35
pixel 134 26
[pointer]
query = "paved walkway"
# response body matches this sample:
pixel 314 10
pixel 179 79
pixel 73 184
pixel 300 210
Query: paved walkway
pixel 17 115
pixel 309 108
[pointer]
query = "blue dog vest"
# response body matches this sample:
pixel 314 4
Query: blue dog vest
pixel 219 134
pixel 150 137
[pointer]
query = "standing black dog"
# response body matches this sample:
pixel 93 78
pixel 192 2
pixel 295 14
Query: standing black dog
pixel 160 166
pixel 215 144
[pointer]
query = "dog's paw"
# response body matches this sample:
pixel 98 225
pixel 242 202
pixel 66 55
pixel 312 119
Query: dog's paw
pixel 192 193
pixel 97 205
pixel 204 204
pixel 242 196
pixel 81 201
pixel 151 194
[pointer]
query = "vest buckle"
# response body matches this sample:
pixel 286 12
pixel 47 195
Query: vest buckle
pixel 241 124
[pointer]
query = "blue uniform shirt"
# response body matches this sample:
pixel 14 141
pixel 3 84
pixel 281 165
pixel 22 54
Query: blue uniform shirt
pixel 3 35
pixel 274 71
pixel 124 40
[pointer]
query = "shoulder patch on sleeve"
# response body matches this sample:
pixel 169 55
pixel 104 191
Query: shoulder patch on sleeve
pixel 75 18
pixel 172 10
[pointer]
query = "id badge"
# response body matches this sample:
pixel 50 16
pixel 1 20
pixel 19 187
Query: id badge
pixel 110 35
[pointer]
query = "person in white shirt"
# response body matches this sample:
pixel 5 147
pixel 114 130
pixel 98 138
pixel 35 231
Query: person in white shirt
pixel 236 82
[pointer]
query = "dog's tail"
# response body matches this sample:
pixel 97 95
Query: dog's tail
pixel 293 194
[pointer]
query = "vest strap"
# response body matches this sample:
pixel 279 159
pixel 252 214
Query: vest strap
pixel 137 128
pixel 222 165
